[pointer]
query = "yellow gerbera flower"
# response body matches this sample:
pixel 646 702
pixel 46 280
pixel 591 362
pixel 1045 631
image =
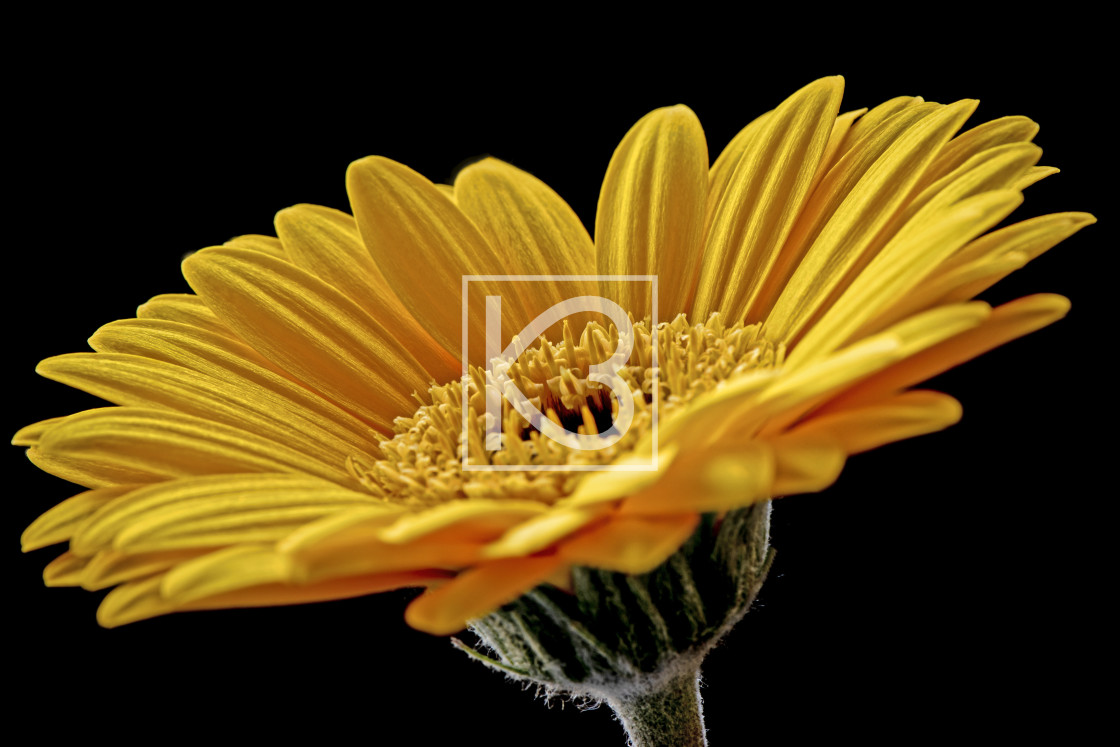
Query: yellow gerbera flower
pixel 265 446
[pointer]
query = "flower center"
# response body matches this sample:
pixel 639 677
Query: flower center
pixel 422 463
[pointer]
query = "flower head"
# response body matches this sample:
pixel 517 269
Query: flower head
pixel 295 430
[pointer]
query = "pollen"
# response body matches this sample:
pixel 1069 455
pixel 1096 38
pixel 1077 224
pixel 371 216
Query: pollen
pixel 422 464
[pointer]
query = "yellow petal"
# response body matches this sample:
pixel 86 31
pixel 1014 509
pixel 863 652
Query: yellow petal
pixel 717 478
pixel 542 531
pixel 326 243
pixel 833 149
pixel 1014 129
pixel 123 445
pixel 899 267
pixel 222 571
pixel 111 567
pixel 477 592
pixel 651 209
pixel 1034 175
pixel 997 168
pixel 61 522
pixel 269 245
pixel 185 309
pixel 65 570
pixel 527 223
pixel 719 175
pixel 172 514
pixel 883 172
pixel 805 462
pixel 309 329
pixel 139 600
pixel 237 367
pixel 134 381
pixel 423 245
pixel 906 415
pixel 630 544
pixel 29 435
pixel 870 122
pixel 1005 323
pixel 763 198
pixel 479 520
pixel 1031 238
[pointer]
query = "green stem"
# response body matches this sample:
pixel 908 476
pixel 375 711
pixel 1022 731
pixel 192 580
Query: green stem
pixel 667 716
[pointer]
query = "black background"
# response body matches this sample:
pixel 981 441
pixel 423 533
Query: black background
pixel 944 584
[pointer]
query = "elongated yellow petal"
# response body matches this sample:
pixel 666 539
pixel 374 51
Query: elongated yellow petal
pixel 237 367
pixel 122 445
pixel 478 520
pixel 719 175
pixel 111 567
pixel 542 531
pixel 269 245
pixel 805 389
pixel 651 209
pixel 309 329
pixel 906 415
pixel 185 309
pixel 174 510
pixel 61 522
pixel 423 245
pixel 476 592
pixel 1034 175
pixel 326 243
pixel 833 149
pixel 1014 129
pixel 528 224
pixel 763 198
pixel 65 570
pixel 134 381
pixel 224 570
pixel 869 138
pixel 805 462
pixel 1005 323
pixel 998 168
pixel 718 478
pixel 29 435
pixel 899 267
pixel 630 544
pixel 140 600
pixel 898 157
pixel 1032 238
pixel 869 123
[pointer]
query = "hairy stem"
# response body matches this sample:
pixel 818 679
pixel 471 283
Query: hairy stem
pixel 670 714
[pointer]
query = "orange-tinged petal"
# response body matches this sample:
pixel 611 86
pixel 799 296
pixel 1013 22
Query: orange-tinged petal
pixel 630 544
pixel 805 462
pixel 1005 323
pixel 717 478
pixel 477 592
pixel 906 415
